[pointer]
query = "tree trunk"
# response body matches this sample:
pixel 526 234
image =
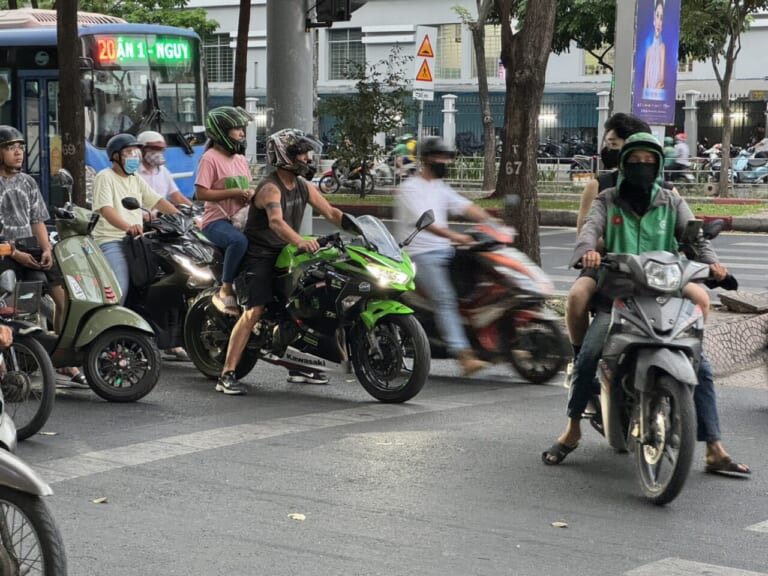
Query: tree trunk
pixel 13 5
pixel 725 160
pixel 241 53
pixel 489 131
pixel 72 123
pixel 524 55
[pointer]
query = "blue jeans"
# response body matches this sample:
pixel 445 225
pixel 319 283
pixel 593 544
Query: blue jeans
pixel 434 279
pixel 114 252
pixel 232 241
pixel 704 398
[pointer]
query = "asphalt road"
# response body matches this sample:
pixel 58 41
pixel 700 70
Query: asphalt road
pixel 451 483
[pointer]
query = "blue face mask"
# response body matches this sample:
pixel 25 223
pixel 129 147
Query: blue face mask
pixel 131 165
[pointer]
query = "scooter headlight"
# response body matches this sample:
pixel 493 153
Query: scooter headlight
pixel 664 277
pixel 197 272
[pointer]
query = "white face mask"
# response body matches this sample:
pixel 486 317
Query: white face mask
pixel 154 158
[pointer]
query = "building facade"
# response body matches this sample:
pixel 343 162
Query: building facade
pixel 573 78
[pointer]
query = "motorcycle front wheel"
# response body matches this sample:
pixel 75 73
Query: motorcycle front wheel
pixel 392 360
pixel 30 542
pixel 28 384
pixel 664 459
pixel 206 337
pixel 328 185
pixel 536 348
pixel 122 365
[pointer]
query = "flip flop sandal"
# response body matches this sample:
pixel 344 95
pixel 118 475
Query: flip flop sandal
pixel 176 355
pixel 728 467
pixel 559 451
pixel 226 305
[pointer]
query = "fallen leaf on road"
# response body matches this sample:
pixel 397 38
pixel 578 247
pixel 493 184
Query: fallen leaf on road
pixel 560 524
pixel 297 516
pixel 49 433
pixel 102 500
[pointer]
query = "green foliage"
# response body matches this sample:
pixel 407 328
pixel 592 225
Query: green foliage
pixel 591 24
pixel 167 12
pixel 380 103
pixel 707 25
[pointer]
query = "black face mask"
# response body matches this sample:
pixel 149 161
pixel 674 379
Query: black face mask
pixel 641 175
pixel 438 169
pixel 610 157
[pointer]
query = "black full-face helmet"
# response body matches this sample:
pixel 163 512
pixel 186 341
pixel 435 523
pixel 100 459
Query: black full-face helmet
pixel 118 142
pixel 221 120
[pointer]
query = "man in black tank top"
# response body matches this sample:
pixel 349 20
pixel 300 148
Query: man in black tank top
pixel 274 219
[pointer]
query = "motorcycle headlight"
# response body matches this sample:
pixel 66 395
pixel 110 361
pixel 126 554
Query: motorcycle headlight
pixel 665 277
pixel 198 272
pixel 387 276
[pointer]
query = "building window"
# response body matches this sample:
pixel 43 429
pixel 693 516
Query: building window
pixel 219 58
pixel 492 52
pixel 592 67
pixel 448 65
pixel 344 47
pixel 685 65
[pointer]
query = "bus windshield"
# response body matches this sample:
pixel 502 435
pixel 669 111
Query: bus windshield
pixel 144 82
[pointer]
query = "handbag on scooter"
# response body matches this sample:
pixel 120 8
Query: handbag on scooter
pixel 142 261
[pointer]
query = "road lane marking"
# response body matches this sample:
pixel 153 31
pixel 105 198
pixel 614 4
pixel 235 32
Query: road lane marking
pixel 761 527
pixel 679 567
pixel 97 462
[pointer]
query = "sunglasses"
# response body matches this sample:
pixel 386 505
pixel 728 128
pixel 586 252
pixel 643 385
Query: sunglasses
pixel 14 147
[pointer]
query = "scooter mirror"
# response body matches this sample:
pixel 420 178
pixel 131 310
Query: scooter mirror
pixel 425 220
pixel 7 282
pixel 65 177
pixel 130 203
pixel 713 228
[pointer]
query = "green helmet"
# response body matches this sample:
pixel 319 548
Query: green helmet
pixel 220 121
pixel 669 141
pixel 641 141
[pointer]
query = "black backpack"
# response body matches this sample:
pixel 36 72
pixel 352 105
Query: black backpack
pixel 142 261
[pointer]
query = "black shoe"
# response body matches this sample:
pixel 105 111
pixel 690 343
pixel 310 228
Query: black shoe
pixel 298 377
pixel 228 384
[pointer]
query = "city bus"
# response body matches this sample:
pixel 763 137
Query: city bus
pixel 134 77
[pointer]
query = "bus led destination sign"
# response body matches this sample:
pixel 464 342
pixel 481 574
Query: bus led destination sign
pixel 140 50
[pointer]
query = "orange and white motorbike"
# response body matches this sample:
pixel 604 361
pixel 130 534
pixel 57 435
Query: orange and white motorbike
pixel 501 296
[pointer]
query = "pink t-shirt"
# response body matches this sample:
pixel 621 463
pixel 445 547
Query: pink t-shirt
pixel 220 171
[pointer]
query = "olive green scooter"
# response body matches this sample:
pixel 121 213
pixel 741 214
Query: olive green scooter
pixel 115 346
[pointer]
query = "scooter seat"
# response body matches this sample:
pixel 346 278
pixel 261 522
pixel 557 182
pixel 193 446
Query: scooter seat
pixel 757 162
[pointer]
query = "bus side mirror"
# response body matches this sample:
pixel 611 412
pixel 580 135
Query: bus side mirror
pixel 86 90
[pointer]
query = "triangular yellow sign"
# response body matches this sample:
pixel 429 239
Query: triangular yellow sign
pixel 424 74
pixel 426 49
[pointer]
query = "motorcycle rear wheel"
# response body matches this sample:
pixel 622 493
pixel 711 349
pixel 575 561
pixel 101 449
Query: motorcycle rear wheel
pixel 663 465
pixel 122 365
pixel 402 369
pixel 28 384
pixel 30 542
pixel 537 349
pixel 328 185
pixel 206 341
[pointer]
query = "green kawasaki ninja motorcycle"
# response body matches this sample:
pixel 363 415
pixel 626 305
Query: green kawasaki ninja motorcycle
pixel 337 305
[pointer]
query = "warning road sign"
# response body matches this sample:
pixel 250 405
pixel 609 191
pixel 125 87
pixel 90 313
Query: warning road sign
pixel 424 74
pixel 426 49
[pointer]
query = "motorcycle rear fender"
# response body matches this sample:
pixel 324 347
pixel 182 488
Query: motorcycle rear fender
pixel 654 360
pixel 110 317
pixel 375 310
pixel 17 474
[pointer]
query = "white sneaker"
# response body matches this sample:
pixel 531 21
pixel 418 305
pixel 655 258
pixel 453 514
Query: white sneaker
pixel 297 377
